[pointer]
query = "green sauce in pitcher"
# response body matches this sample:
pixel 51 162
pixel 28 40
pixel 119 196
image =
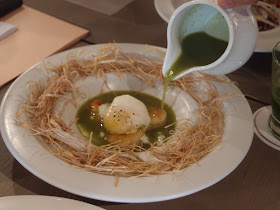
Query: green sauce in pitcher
pixel 198 49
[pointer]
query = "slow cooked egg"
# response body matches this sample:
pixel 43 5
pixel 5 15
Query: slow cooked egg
pixel 126 115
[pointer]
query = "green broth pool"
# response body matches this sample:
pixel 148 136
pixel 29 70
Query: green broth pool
pixel 87 122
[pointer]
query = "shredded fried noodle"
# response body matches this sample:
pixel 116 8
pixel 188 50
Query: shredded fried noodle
pixel 188 143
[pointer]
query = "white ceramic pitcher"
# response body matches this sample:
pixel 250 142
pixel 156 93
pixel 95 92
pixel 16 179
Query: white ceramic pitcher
pixel 237 26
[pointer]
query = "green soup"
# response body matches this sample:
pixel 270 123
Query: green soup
pixel 87 123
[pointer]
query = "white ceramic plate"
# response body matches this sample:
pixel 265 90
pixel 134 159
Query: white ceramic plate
pixel 215 166
pixel 266 39
pixel 35 202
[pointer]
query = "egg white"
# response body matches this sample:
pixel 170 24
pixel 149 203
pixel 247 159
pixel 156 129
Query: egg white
pixel 126 115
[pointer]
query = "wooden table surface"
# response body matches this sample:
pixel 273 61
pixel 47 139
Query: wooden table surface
pixel 254 184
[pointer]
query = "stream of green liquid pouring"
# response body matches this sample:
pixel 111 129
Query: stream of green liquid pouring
pixel 198 49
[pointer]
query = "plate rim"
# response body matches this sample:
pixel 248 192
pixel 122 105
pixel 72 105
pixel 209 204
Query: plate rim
pixel 15 200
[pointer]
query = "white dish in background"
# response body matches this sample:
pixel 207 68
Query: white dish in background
pixel 36 202
pixel 237 139
pixel 266 39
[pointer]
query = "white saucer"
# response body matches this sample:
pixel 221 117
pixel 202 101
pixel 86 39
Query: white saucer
pixel 261 128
